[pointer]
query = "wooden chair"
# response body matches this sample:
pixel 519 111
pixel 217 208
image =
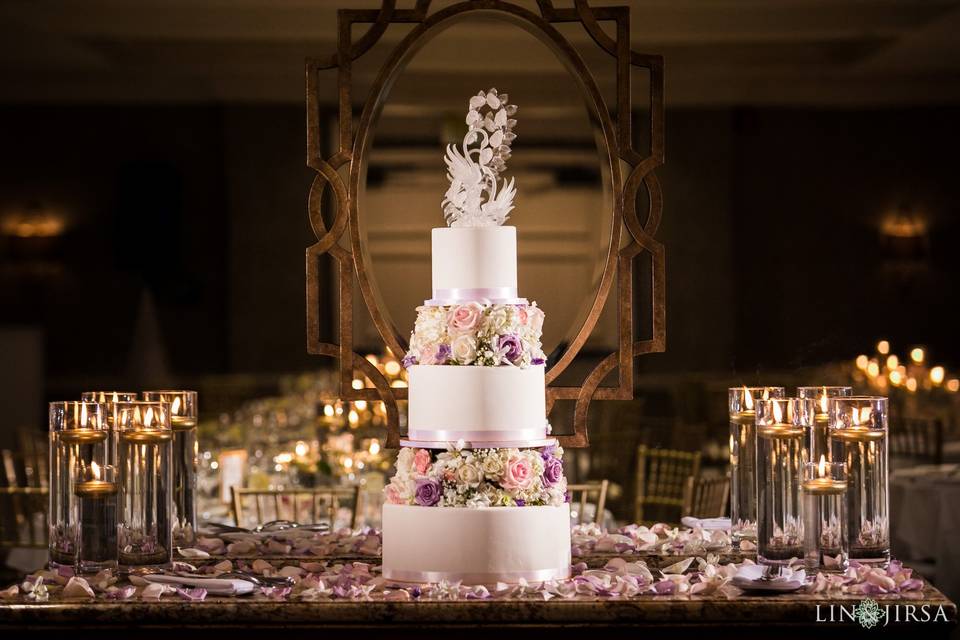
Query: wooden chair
pixel 306 506
pixel 585 490
pixel 919 440
pixel 706 497
pixel 662 476
pixel 23 501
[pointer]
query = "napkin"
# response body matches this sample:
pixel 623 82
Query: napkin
pixel 214 586
pixel 707 524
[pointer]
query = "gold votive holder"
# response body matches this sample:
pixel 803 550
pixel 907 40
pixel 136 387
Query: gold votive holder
pixel 819 444
pixel 858 438
pixel 825 544
pixel 783 427
pixel 183 420
pixel 743 459
pixel 78 437
pixel 144 535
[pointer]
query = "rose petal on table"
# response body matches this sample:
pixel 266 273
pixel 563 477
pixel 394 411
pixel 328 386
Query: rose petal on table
pixel 242 548
pixel 262 567
pixel 289 571
pixel 274 546
pixel 678 567
pixel 313 567
pixel 120 593
pixel 137 580
pixel 877 578
pixel 211 545
pixel 155 590
pixel 223 566
pixel 77 587
pixel 10 593
pixel 197 594
pixel 193 553
pixel 397 595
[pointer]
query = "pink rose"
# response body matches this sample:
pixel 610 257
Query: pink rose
pixel 536 318
pixel 392 494
pixel 519 474
pixel 421 461
pixel 522 315
pixel 464 318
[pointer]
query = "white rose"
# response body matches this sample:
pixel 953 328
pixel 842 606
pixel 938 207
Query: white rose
pixel 497 320
pixel 430 324
pixel 493 465
pixel 469 475
pixel 405 462
pixel 464 348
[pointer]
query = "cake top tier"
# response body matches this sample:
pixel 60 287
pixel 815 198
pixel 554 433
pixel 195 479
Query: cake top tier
pixel 478 196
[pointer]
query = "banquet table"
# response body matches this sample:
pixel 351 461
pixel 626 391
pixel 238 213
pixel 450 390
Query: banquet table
pixel 444 609
pixel 925 503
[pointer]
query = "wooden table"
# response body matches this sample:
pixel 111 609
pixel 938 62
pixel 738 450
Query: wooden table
pixel 752 615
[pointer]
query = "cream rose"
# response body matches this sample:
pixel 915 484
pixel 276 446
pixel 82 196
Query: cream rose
pixel 464 348
pixel 405 461
pixel 469 475
pixel 497 320
pixel 492 466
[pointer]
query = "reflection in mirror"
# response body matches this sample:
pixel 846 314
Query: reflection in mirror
pixel 562 209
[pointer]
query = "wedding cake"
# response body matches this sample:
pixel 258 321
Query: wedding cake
pixel 479 495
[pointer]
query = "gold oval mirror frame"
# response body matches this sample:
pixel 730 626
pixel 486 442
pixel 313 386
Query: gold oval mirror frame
pixel 352 152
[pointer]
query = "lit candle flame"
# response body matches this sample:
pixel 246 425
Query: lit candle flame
pixel 175 406
pixel 83 415
pixel 747 399
pixel 148 417
pixel 95 470
pixel 823 401
pixel 822 467
pixel 777 412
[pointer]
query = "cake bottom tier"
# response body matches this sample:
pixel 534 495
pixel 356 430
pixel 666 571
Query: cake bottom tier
pixel 476 546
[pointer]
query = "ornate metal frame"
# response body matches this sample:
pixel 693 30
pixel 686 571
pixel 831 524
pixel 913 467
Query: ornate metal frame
pixel 352 151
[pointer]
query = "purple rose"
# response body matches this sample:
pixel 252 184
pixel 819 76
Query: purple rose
pixel 520 502
pixel 552 471
pixel 409 360
pixel 427 493
pixel 443 353
pixel 511 347
pixel 537 361
pixel 547 452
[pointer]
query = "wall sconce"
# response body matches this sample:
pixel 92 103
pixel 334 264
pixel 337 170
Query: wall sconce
pixel 904 235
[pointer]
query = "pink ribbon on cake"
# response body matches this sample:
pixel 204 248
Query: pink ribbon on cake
pixel 539 575
pixel 496 295
pixel 444 435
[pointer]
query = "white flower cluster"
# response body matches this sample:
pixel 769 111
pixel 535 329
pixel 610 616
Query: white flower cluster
pixel 473 199
pixel 477 334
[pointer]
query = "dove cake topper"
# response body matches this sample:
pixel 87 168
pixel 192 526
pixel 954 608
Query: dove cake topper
pixel 478 196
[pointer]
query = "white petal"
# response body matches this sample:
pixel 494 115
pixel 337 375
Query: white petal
pixel 493 101
pixel 501 119
pixel 496 139
pixel 477 101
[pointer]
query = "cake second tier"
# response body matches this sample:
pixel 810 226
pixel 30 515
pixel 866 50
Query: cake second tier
pixel 484 406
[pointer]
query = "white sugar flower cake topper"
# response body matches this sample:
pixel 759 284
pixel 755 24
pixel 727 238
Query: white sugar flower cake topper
pixel 478 196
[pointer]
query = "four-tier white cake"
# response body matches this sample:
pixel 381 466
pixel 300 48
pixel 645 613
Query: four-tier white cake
pixel 479 495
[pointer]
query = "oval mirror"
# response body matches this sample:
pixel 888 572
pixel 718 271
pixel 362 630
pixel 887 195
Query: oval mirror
pixel 563 211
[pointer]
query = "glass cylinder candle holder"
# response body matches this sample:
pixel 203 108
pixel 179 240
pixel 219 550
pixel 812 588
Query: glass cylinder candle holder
pixel 819 444
pixel 109 396
pixel 78 436
pixel 825 545
pixel 145 527
pixel 858 438
pixel 183 419
pixel 743 459
pixel 783 427
pixel 96 490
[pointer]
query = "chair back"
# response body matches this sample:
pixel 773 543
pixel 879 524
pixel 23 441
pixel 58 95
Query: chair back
pixel 305 506
pixel 706 497
pixel 917 439
pixel 596 489
pixel 662 476
pixel 23 502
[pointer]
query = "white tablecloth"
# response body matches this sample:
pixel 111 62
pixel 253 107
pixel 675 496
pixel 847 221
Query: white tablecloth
pixel 925 521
